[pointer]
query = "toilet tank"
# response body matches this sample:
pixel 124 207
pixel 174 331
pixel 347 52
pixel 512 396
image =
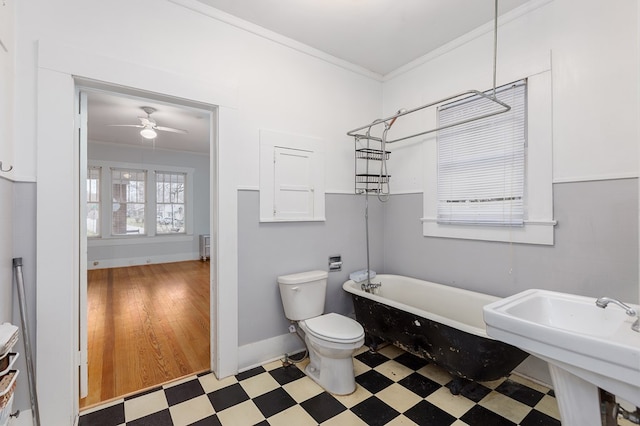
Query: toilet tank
pixel 303 294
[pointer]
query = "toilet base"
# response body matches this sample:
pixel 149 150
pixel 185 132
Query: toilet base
pixel 336 376
pixel 332 369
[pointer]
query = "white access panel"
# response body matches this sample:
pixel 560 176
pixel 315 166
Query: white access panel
pixel 292 176
pixel 293 184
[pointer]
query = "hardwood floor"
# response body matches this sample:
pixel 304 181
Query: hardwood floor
pixel 147 325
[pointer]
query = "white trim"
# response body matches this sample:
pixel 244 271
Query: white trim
pixel 136 261
pixel 99 70
pixel 527 222
pixel 293 219
pixel 267 350
pixel 252 28
pixel 121 240
pixel 337 191
pixel 466 38
pixel 609 176
pixel 60 69
pixel 25 418
pixel 532 233
pixel 13 177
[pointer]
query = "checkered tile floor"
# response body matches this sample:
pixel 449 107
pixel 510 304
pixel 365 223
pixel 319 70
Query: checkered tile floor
pixel 394 388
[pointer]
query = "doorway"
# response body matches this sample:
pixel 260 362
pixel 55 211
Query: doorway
pixel 145 203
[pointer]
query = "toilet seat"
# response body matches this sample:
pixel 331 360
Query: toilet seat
pixel 335 328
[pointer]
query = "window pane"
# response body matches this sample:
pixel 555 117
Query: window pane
pixel 481 164
pixel 128 205
pixel 170 202
pixel 93 201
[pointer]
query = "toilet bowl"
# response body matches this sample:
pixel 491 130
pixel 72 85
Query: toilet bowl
pixel 331 340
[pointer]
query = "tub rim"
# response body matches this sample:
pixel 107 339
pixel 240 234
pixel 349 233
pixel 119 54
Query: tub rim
pixel 353 288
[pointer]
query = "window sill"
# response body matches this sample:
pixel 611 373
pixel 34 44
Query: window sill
pixel 533 232
pixel 143 239
pixel 292 219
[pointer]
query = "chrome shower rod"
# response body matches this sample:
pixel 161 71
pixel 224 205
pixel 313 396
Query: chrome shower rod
pixel 390 120
pixel 504 108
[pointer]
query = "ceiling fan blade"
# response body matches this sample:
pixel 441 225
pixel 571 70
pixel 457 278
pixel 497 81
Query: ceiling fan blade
pixel 125 125
pixel 170 129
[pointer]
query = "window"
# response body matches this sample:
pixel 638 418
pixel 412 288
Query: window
pixel 170 202
pixel 93 201
pixel 138 201
pixel 538 223
pixel 128 205
pixel 481 164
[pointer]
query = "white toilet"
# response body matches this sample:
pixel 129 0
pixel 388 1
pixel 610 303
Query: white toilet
pixel 331 339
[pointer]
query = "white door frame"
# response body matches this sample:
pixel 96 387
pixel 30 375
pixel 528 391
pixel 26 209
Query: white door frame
pixel 57 215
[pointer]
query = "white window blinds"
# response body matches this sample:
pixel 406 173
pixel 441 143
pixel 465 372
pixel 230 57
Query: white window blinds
pixel 481 165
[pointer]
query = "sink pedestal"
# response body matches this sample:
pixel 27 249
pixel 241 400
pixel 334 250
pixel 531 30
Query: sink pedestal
pixel 578 400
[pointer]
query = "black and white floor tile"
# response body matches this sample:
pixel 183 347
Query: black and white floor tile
pixel 394 388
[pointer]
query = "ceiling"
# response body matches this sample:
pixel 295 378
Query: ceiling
pixel 378 35
pixel 107 108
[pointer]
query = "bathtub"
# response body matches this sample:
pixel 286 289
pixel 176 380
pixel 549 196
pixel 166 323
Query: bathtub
pixel 439 323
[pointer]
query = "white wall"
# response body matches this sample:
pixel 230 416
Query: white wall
pixel 274 86
pixel 593 51
pixel 260 84
pixel 7 63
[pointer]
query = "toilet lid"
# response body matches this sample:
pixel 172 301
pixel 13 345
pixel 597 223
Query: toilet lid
pixel 335 328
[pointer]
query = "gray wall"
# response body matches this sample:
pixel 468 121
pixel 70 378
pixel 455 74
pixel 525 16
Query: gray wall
pixel 595 251
pixel 24 246
pixel 6 248
pixel 267 250
pixel 148 155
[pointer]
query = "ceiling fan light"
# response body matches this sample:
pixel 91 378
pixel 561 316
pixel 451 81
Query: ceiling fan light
pixel 148 133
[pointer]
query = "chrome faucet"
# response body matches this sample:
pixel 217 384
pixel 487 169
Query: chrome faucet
pixel 370 287
pixel 604 301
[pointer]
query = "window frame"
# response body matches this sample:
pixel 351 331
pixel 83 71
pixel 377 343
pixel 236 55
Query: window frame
pixel 183 203
pixel 98 201
pixel 539 223
pixel 144 201
pixel 108 238
pixel 473 189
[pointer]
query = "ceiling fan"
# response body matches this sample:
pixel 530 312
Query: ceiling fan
pixel 149 126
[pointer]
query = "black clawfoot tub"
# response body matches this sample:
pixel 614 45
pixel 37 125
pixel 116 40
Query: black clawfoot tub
pixel 436 322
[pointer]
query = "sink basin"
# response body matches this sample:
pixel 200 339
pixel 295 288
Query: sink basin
pixel 572 333
pixel 567 313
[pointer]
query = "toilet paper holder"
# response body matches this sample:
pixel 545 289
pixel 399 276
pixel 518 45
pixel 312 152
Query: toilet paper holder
pixel 335 263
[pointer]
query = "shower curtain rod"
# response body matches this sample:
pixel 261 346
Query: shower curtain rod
pixel 400 113
pixel 504 109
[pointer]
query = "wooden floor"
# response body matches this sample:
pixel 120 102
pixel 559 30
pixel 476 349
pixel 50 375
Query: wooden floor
pixel 147 325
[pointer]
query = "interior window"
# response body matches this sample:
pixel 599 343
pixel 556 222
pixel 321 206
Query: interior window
pixel 481 164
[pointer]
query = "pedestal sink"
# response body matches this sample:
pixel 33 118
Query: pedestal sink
pixel 587 347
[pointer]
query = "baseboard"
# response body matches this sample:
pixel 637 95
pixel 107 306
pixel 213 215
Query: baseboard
pixel 264 351
pixel 146 260
pixel 25 418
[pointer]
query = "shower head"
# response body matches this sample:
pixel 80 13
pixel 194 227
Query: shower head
pixel 393 120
